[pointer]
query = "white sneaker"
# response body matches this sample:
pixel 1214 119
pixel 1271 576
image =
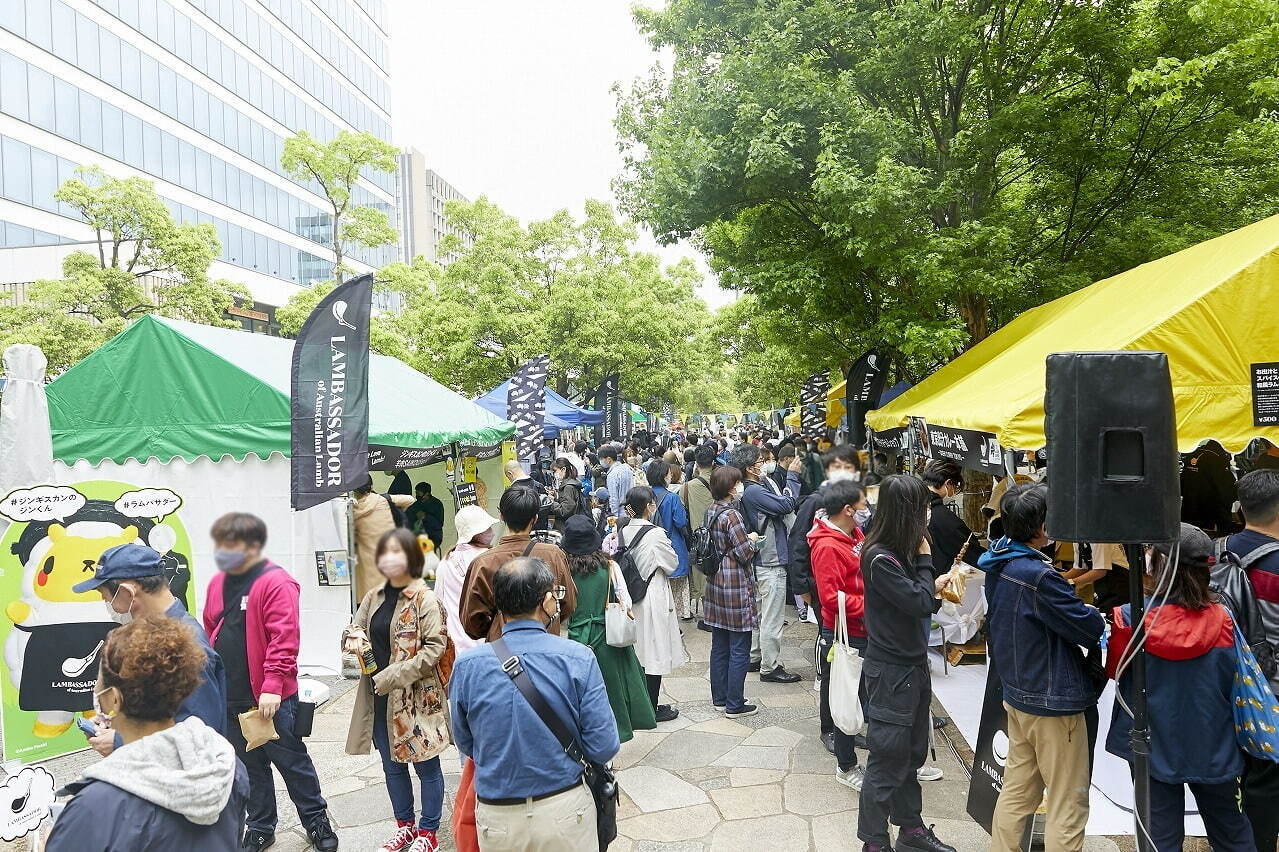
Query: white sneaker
pixel 852 778
pixel 401 841
pixel 929 773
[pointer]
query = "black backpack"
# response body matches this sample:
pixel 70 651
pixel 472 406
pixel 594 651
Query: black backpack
pixel 702 551
pixel 1231 583
pixel 397 514
pixel 636 585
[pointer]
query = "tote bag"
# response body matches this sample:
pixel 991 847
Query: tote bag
pixel 1256 711
pixel 619 627
pixel 845 677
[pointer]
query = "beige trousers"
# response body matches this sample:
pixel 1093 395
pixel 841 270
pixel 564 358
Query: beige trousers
pixel 562 822
pixel 1044 752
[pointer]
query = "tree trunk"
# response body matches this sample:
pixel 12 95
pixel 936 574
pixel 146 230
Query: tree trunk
pixel 561 385
pixel 337 247
pixel 973 308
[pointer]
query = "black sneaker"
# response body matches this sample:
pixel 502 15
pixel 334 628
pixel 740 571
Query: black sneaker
pixel 256 841
pixel 921 839
pixel 828 740
pixel 666 713
pixel 753 667
pixel 322 837
pixel 780 675
pixel 746 710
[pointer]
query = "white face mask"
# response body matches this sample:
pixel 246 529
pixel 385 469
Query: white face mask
pixel 120 617
pixel 840 474
pixel 739 491
pixel 769 467
pixel 392 566
pixel 559 476
pixel 861 516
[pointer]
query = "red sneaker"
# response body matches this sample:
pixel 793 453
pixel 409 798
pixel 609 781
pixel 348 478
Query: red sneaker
pixel 425 842
pixel 401 841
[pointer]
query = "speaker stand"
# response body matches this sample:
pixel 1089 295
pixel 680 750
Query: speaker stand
pixel 1140 725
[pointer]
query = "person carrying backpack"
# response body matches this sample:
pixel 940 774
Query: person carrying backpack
pixel 566 495
pixel 696 495
pixel 647 559
pixel 672 517
pixel 1256 549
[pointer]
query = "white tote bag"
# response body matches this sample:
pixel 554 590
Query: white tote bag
pixel 619 626
pixel 845 677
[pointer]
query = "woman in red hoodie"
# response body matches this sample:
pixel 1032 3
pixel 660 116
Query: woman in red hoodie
pixel 835 544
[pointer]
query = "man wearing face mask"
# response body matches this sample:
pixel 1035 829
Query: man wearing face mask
pixel 251 615
pixel 841 465
pixel 130 578
pixel 529 793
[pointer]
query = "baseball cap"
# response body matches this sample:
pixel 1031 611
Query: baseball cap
pixel 600 494
pixel 123 562
pixel 1196 546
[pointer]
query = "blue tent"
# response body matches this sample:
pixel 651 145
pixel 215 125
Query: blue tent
pixel 893 392
pixel 560 413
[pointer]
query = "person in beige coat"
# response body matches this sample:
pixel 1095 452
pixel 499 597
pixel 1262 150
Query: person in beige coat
pixel 401 707
pixel 373 519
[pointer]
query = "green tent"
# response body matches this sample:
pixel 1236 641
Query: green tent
pixel 169 389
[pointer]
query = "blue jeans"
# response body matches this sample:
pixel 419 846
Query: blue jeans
pixel 730 657
pixel 398 784
pixel 289 755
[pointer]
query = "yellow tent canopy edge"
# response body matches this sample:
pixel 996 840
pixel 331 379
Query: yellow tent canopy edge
pixel 1213 308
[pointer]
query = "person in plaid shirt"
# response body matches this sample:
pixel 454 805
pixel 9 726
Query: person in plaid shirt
pixel 728 603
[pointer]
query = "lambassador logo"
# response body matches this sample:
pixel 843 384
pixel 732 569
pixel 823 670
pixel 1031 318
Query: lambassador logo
pixel 339 314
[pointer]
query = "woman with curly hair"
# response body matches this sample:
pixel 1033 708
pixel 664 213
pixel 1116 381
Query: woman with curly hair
pixel 170 785
pixel 598 581
pixel 400 707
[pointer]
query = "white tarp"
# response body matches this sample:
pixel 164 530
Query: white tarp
pixel 209 489
pixel 26 448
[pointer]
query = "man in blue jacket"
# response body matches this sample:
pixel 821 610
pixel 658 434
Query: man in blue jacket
pixel 130 578
pixel 1037 625
pixel 768 511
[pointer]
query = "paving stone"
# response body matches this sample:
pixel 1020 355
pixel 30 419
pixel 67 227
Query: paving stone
pixel 671 826
pixel 813 795
pixel 362 807
pixel 714 784
pixel 748 802
pixel 679 723
pixel 637 748
pixel 790 699
pixel 698 774
pixel 748 777
pixel 773 832
pixel 687 688
pixel 626 807
pixel 720 725
pixel 697 711
pixel 686 749
pixel 654 789
pixel 773 736
pixel 654 846
pixel 839 831
pixel 760 757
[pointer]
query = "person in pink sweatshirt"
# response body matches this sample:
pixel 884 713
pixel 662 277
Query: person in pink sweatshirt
pixel 251 617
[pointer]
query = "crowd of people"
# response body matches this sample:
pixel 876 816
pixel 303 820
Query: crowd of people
pixel 608 554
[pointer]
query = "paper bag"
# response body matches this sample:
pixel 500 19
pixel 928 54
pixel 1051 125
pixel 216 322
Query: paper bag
pixel 257 731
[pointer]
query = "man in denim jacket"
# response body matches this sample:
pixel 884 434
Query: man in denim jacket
pixel 1037 625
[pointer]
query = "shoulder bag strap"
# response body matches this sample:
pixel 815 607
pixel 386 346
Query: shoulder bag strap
pixel 841 624
pixel 532 544
pixel 515 671
pixel 1246 561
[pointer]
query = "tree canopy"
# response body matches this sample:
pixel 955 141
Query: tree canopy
pixel 144 263
pixel 912 175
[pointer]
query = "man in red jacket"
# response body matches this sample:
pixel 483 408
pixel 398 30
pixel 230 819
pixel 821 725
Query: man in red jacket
pixel 835 543
pixel 251 616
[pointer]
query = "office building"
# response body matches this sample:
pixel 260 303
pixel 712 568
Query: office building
pixel 199 97
pixel 422 194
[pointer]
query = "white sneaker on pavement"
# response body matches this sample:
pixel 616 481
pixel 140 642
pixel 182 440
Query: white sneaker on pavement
pixel 929 773
pixel 852 778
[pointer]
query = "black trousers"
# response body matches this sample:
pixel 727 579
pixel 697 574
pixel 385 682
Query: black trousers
pixel 1261 800
pixel 897 735
pixel 1228 829
pixel 654 683
pixel 844 753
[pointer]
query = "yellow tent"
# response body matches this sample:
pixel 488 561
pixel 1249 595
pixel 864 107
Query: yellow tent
pixel 835 404
pixel 1214 308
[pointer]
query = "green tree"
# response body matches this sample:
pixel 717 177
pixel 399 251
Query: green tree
pixel 144 263
pixel 912 175
pixel 335 166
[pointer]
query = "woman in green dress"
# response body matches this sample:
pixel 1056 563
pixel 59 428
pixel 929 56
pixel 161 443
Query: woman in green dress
pixel 598 580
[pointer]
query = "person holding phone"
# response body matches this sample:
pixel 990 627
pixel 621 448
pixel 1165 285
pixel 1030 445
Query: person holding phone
pixel 399 707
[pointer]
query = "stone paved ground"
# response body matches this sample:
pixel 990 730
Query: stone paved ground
pixel 701 782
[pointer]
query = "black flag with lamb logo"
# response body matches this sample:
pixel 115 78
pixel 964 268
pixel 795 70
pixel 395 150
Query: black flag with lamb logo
pixel 330 396
pixel 526 405
pixel 864 385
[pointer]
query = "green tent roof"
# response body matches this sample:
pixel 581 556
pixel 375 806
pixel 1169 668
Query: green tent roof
pixel 169 389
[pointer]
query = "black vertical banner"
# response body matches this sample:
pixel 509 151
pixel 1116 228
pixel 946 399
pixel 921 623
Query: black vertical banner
pixel 329 396
pixel 606 400
pixel 990 755
pixel 812 405
pixel 526 404
pixel 864 385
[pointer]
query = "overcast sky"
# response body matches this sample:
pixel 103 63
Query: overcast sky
pixel 511 99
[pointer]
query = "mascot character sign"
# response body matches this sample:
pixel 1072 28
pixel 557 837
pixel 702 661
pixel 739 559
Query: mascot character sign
pixel 54 635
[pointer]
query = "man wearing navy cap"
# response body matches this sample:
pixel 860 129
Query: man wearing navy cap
pixel 130 578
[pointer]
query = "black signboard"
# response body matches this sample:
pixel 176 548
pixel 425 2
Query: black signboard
pixel 60 669
pixel 607 401
pixel 329 397
pixel 967 447
pixel 1265 394
pixel 990 755
pixel 465 494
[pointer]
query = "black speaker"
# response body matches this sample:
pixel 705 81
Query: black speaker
pixel 1112 448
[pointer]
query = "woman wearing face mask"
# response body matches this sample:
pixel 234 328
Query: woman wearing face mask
pixel 672 516
pixel 657 639
pixel 400 707
pixel 728 602
pixel 567 493
pixel 169 785
pixel 947 532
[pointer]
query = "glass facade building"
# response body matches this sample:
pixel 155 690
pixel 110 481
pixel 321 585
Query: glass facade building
pixel 197 96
